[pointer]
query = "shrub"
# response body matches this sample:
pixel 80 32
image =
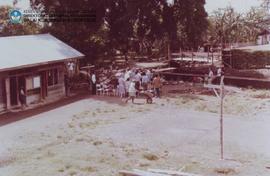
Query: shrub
pixel 241 59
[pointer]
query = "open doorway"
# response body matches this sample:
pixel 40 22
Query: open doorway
pixel 44 84
pixel 21 85
pixel 13 91
pixel 15 84
pixel 21 81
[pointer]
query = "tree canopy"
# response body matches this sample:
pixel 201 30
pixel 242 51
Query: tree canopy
pixel 126 24
pixel 228 26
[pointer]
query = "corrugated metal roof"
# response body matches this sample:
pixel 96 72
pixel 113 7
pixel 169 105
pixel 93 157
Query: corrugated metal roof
pixel 150 64
pixel 255 48
pixel 29 50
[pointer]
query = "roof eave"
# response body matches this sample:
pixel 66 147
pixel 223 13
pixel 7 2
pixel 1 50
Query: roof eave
pixel 39 64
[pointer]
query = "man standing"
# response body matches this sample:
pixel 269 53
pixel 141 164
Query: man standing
pixel 219 72
pixel 71 69
pixel 145 81
pixel 127 74
pixel 137 78
pixel 157 85
pixel 22 97
pixel 67 84
pixel 94 82
pixel 210 76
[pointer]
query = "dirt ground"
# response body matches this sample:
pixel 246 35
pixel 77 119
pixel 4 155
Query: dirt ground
pixel 101 135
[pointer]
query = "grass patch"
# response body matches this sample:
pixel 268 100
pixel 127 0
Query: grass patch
pixel 150 157
pixel 225 171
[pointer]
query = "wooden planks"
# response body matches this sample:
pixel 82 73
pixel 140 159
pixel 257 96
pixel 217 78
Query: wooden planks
pixel 155 172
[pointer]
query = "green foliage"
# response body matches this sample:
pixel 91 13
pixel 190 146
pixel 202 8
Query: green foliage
pixel 249 60
pixel 87 37
pixel 192 21
pixel 126 25
pixel 229 26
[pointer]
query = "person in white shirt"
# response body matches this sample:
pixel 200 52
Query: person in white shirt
pixel 131 91
pixel 210 76
pixel 137 79
pixel 94 82
pixel 121 86
pixel 145 80
pixel 127 84
pixel 127 74
pixel 148 74
pixel 22 97
pixel 219 71
pixel 71 68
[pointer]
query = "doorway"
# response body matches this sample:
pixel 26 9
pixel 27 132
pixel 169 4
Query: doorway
pixel 44 84
pixel 15 84
pixel 21 81
pixel 13 91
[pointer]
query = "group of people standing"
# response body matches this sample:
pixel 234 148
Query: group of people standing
pixel 128 83
pixel 212 76
pixel 132 81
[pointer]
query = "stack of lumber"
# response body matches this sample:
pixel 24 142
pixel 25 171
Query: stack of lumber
pixel 155 172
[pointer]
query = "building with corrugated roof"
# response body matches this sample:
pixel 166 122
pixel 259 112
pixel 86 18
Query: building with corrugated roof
pixel 36 63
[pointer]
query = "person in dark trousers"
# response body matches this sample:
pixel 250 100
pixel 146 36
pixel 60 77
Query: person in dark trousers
pixel 22 97
pixel 94 83
pixel 157 84
pixel 67 84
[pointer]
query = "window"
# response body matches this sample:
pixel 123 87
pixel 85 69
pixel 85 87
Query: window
pixel 33 82
pixel 52 77
pixel 36 82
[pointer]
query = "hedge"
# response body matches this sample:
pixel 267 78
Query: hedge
pixel 247 60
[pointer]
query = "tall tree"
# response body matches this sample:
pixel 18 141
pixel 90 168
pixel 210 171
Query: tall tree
pixel 119 22
pixel 148 23
pixel 120 25
pixel 81 35
pixel 228 26
pixel 225 25
pixel 192 21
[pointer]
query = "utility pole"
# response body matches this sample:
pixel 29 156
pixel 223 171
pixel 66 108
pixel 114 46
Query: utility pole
pixel 221 116
pixel 221 96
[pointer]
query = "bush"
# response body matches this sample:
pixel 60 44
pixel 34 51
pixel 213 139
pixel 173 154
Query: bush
pixel 241 59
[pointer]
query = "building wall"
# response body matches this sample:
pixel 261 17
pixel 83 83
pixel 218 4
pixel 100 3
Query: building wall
pixel 35 94
pixel 57 91
pixel 263 39
pixel 32 99
pixel 2 98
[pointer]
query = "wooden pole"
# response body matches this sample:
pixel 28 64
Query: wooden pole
pixel 208 55
pixel 7 90
pixel 212 57
pixel 192 55
pixel 221 116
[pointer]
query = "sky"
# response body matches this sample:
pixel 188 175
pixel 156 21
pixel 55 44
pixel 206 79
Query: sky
pixel 239 5
pixel 211 5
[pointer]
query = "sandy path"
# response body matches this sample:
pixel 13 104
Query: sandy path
pixel 92 137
